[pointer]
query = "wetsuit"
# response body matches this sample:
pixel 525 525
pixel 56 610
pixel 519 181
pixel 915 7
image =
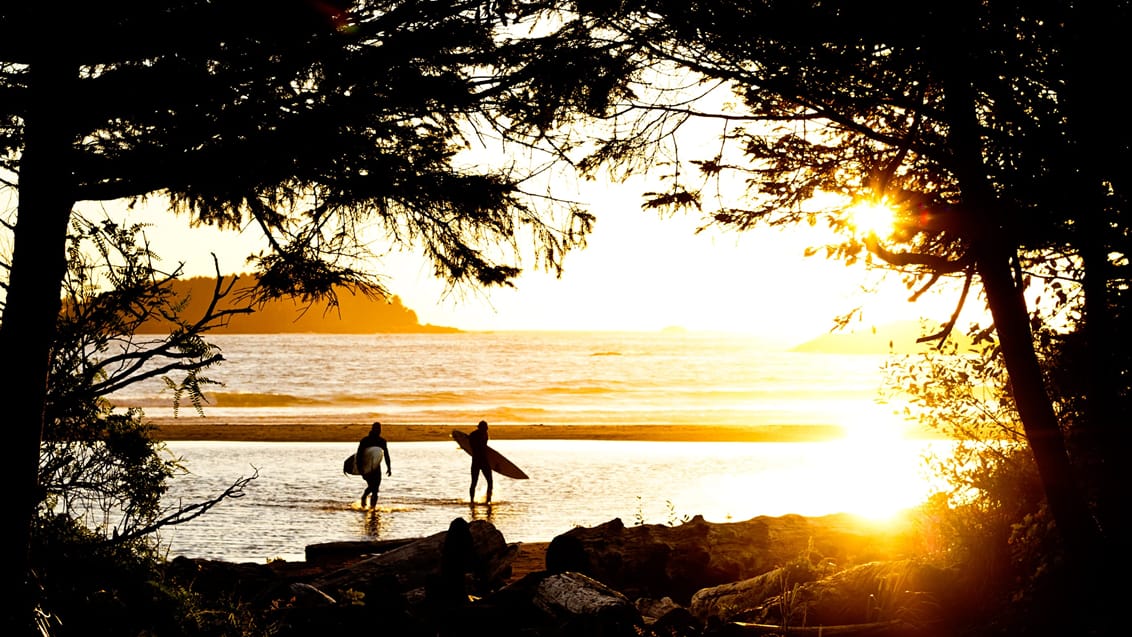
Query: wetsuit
pixel 480 464
pixel 373 478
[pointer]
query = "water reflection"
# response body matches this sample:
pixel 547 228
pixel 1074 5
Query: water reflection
pixel 373 525
pixel 301 496
pixel 482 511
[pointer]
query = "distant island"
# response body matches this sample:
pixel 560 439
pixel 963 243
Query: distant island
pixel 354 314
pixel 890 338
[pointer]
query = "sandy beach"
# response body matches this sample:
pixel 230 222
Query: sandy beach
pixel 269 431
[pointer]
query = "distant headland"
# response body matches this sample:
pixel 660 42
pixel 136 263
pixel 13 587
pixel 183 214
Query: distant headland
pixel 355 314
pixel 898 337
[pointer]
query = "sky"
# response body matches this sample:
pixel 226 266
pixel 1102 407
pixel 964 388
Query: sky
pixel 639 272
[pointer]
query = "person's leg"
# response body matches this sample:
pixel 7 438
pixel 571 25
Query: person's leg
pixel 373 483
pixel 475 479
pixel 487 479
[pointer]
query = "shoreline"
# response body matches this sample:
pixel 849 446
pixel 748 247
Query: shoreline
pixel 259 431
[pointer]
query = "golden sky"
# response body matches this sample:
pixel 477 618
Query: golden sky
pixel 638 273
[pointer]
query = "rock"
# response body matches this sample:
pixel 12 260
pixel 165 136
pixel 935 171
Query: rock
pixel 566 553
pixel 458 558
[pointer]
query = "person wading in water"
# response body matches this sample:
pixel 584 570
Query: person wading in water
pixel 368 467
pixel 478 440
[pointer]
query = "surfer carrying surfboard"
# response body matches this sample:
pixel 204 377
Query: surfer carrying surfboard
pixel 371 450
pixel 480 462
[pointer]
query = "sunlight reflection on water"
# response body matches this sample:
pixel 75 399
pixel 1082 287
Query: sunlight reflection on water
pixel 301 497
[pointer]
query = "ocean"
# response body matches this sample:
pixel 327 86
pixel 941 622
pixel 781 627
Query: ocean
pixel 301 497
pixel 529 377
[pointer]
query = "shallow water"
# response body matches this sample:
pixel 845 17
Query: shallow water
pixel 301 496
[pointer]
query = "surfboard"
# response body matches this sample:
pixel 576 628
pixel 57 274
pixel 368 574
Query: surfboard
pixel 371 462
pixel 497 461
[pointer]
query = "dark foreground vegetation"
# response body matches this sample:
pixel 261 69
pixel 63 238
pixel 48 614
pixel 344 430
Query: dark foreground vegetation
pixel 833 575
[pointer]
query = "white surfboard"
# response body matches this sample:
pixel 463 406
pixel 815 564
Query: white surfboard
pixel 371 461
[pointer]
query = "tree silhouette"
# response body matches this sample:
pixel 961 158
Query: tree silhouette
pixel 102 476
pixel 315 120
pixel 981 122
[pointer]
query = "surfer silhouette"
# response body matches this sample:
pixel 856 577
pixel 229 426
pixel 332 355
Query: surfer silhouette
pixel 480 464
pixel 371 450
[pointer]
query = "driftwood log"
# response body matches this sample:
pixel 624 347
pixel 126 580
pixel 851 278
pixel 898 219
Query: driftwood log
pixel 338 551
pixel 904 590
pixel 655 561
pixel 784 575
pixel 893 628
pixel 416 564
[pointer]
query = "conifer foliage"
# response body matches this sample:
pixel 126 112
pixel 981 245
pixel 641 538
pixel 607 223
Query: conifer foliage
pixel 325 124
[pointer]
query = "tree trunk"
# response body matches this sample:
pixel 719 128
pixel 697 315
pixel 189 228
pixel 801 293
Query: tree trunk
pixel 31 310
pixel 1012 324
pixel 988 224
pixel 1101 435
pixel 1100 156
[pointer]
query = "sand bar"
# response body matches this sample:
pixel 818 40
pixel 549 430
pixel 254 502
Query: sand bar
pixel 253 431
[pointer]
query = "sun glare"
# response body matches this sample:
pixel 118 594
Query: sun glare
pixel 877 458
pixel 871 218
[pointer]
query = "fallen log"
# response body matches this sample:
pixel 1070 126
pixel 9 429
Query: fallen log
pixel 893 628
pixel 656 560
pixel 328 551
pixel 586 606
pixel 416 563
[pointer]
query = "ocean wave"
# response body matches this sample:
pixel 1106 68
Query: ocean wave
pixel 622 379
pixel 255 399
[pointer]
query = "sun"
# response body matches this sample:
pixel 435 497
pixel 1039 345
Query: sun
pixel 872 218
